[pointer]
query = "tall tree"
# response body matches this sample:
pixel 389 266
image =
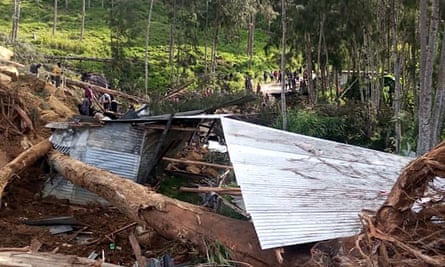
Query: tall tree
pixel 429 23
pixel 147 40
pixel 82 28
pixel 171 49
pixel 126 23
pixel 283 64
pixel 396 59
pixel 15 21
pixel 55 18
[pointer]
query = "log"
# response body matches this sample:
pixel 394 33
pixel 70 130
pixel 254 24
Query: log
pixel 10 62
pixel 27 121
pixel 79 58
pixel 22 161
pixel 44 259
pixel 105 90
pixel 10 71
pixel 171 218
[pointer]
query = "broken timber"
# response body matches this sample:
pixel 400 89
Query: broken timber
pixel 25 159
pixel 172 219
pixel 105 90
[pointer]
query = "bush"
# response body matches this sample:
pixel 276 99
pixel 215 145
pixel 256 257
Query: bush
pixel 309 122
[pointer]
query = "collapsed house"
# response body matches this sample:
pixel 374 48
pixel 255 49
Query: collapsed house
pixel 130 148
pixel 296 189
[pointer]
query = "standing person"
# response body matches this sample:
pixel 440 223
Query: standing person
pixel 265 75
pixel 248 83
pixel 113 105
pixel 105 100
pixel 258 88
pixel 34 69
pixel 57 74
pixel 84 107
pixel 89 94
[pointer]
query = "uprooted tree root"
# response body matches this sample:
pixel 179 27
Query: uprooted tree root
pixel 407 230
pixel 14 119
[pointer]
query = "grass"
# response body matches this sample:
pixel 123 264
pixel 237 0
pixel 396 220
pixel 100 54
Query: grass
pixel 36 28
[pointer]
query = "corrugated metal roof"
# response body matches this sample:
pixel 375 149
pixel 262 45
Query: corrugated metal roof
pixel 300 189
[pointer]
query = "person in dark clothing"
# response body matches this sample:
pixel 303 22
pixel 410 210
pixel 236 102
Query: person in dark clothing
pixel 113 106
pixel 34 68
pixel 85 107
pixel 248 84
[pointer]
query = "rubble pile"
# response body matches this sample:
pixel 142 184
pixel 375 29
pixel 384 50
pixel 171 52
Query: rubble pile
pixel 140 225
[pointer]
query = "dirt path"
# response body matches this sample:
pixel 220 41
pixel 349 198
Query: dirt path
pixel 271 88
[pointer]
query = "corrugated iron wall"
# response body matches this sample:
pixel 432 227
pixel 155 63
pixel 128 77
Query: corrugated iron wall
pixel 114 147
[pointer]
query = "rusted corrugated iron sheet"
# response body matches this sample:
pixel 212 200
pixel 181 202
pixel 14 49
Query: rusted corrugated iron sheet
pixel 122 137
pixel 123 164
pixel 300 189
pixel 62 188
pixel 114 147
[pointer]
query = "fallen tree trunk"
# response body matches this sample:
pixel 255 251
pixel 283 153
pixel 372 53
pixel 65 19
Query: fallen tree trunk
pixel 41 259
pixel 171 218
pixel 10 62
pixel 22 161
pixel 105 90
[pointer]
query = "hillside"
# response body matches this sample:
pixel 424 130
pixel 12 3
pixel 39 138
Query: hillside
pixel 36 40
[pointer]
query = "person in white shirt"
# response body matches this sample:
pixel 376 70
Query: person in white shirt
pixel 105 101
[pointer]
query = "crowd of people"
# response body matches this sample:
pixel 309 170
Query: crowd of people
pixel 108 105
pixel 92 103
pixel 293 81
pixel 55 76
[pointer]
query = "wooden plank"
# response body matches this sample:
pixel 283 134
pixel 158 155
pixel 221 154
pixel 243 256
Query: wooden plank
pixel 173 128
pixel 185 161
pixel 205 189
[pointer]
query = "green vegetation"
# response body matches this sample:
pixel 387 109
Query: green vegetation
pixel 346 51
pixel 170 187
